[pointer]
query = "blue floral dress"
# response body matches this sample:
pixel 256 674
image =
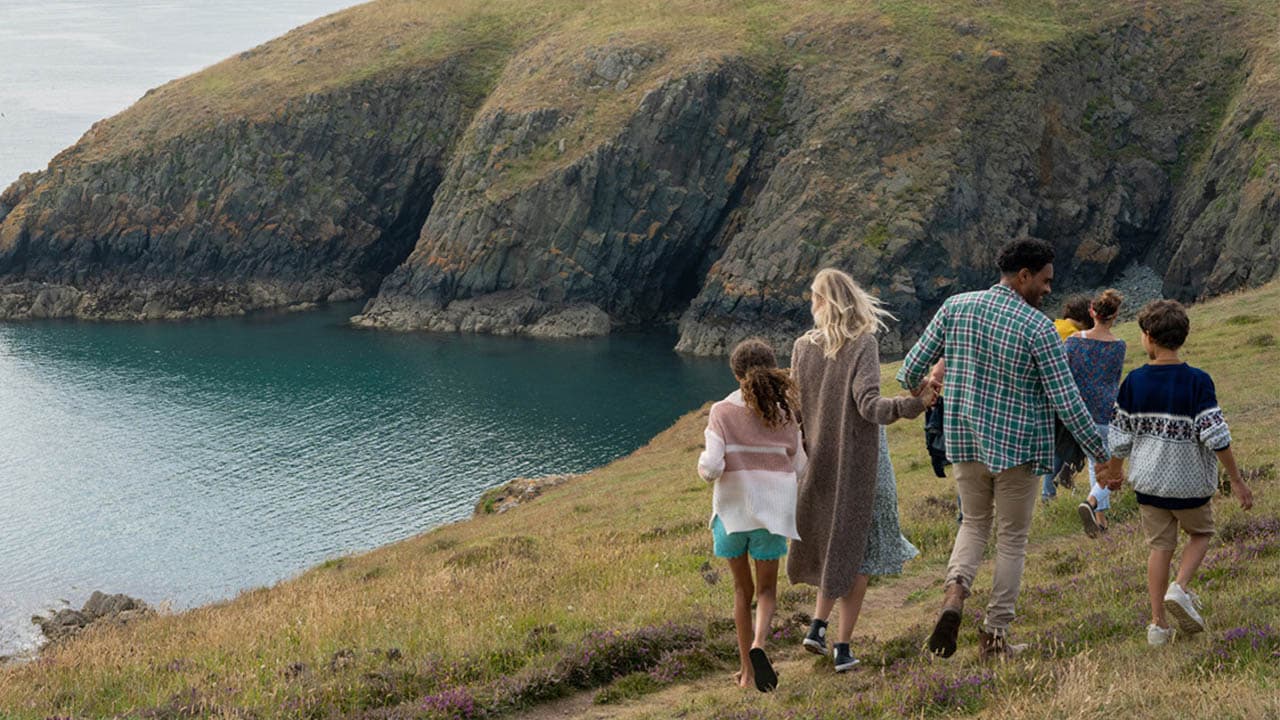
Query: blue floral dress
pixel 1096 366
pixel 887 549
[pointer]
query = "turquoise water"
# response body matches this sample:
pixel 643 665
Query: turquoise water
pixel 185 462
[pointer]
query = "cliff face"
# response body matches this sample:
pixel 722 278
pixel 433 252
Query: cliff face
pixel 315 202
pixel 1225 229
pixel 650 175
pixel 913 187
pixel 621 234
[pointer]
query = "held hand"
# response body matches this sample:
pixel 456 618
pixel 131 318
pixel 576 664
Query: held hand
pixel 1109 476
pixel 927 392
pixel 1243 494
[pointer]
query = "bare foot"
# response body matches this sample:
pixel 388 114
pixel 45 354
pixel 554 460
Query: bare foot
pixel 743 680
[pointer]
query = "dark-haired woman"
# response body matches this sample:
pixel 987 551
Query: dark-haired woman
pixel 847 512
pixel 1075 316
pixel 753 455
pixel 1096 357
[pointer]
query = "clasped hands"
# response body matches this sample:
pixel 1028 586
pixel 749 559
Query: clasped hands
pixel 928 391
pixel 1110 474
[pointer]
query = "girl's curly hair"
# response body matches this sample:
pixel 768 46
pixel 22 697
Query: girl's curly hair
pixel 766 389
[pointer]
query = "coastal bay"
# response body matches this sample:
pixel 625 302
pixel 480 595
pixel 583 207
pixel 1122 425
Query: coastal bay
pixel 186 462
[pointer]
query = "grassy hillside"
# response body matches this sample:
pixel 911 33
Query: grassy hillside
pixel 535 47
pixel 604 593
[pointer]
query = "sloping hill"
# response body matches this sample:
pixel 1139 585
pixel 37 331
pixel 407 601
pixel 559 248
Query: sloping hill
pixel 558 167
pixel 604 591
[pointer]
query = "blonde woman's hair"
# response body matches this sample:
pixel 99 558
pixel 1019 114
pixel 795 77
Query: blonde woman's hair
pixel 846 312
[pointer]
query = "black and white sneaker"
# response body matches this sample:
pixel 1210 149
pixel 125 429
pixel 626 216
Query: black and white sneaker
pixel 843 658
pixel 1088 520
pixel 816 641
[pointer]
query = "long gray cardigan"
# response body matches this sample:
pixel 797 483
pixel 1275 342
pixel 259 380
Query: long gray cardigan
pixel 840 411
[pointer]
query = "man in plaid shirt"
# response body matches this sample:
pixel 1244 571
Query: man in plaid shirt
pixel 1007 377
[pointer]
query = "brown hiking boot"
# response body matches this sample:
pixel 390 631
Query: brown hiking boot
pixel 993 646
pixel 943 640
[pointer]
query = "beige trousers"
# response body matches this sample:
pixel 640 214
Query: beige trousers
pixel 1010 500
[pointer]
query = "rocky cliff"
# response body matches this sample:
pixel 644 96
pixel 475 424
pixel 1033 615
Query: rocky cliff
pixel 316 202
pixel 914 185
pixel 556 172
pixel 1224 232
pixel 623 233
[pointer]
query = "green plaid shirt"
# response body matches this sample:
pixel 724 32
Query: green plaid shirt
pixel 1006 378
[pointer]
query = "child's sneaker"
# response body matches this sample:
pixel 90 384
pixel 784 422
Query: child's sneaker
pixel 1157 635
pixel 1088 520
pixel 844 659
pixel 1184 606
pixel 816 641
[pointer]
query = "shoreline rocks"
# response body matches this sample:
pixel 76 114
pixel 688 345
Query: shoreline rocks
pixel 497 500
pixel 100 608
pixel 173 300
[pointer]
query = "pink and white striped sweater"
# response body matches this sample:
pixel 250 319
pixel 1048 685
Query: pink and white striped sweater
pixel 754 467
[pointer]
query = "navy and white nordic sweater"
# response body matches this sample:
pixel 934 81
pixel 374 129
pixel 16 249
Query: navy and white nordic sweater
pixel 1168 423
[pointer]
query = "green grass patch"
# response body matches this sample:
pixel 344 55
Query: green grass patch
pixel 876 236
pixel 1266 139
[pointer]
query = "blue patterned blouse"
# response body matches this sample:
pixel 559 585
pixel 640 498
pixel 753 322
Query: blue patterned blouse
pixel 1096 365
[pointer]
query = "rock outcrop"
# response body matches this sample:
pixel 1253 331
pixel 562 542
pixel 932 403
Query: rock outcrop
pixel 528 182
pixel 516 492
pixel 1225 229
pixel 627 229
pixel 115 609
pixel 913 188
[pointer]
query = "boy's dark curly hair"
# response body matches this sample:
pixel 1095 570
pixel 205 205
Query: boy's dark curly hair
pixel 766 389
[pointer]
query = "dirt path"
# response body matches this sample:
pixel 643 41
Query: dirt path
pixel 888 610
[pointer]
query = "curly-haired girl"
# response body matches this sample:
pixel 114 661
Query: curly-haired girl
pixel 753 455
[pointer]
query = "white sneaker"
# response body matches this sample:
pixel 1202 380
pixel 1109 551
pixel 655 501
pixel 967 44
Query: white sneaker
pixel 1184 606
pixel 1157 635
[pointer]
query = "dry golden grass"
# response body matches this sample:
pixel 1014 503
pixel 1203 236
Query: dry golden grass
pixel 622 548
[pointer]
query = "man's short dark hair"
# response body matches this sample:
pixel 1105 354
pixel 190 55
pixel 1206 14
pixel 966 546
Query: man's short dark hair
pixel 1028 253
pixel 1166 323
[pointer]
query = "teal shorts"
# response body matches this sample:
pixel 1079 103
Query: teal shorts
pixel 762 544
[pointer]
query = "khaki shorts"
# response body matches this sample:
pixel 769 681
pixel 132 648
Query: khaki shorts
pixel 1161 525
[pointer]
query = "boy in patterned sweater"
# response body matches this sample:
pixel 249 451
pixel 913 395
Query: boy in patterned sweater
pixel 1168 423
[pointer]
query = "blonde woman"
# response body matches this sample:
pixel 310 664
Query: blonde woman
pixel 847 512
